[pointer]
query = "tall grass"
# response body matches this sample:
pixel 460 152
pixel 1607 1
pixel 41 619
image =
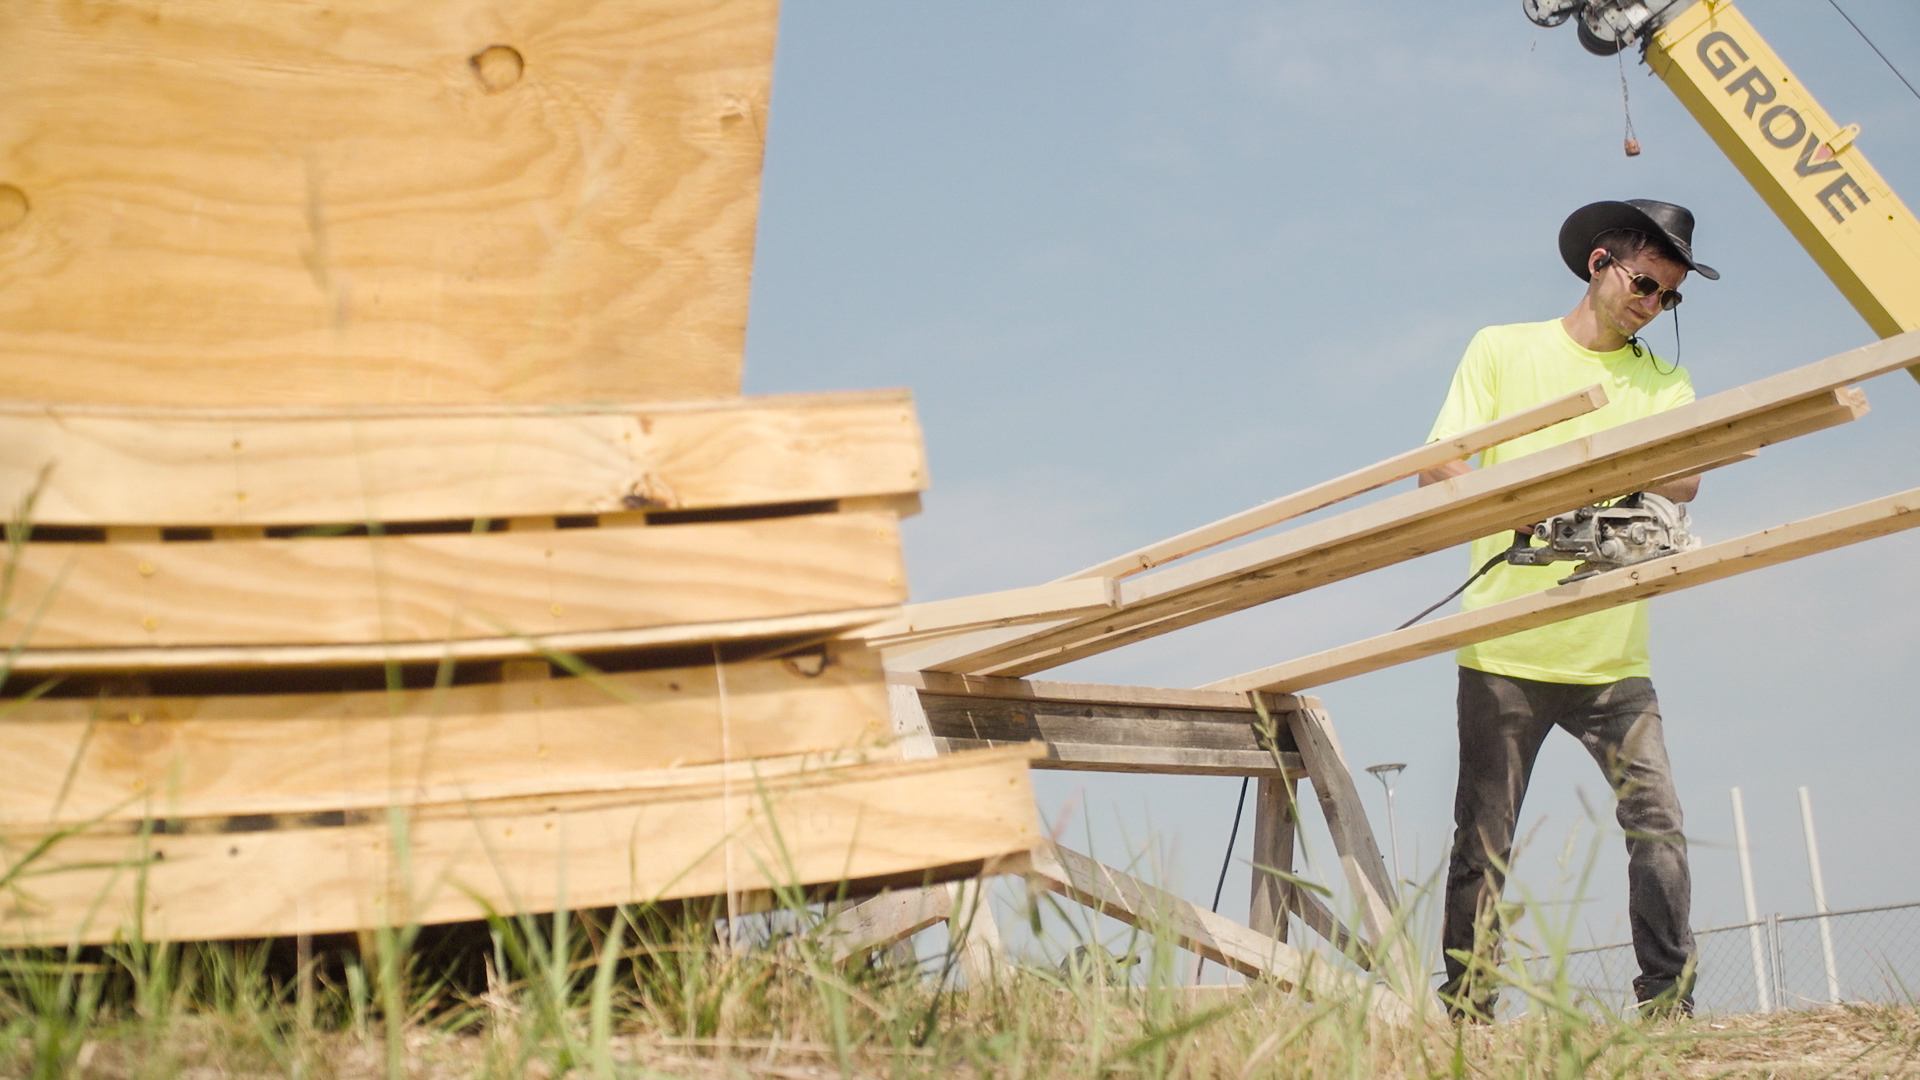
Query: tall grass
pixel 671 990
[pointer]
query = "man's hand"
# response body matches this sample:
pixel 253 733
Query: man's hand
pixel 1679 491
pixel 1460 468
pixel 1444 472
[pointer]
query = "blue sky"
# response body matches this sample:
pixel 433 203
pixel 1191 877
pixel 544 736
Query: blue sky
pixel 1146 264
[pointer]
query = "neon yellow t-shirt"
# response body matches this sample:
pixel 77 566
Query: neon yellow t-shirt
pixel 1511 368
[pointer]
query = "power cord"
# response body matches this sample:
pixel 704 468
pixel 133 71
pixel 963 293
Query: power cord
pixel 1519 541
pixel 1233 835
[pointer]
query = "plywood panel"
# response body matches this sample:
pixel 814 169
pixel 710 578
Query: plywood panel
pixel 78 759
pixel 440 587
pixel 429 200
pixel 862 821
pixel 94 466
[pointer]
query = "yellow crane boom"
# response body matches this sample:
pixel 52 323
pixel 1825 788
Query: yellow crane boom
pixel 1809 170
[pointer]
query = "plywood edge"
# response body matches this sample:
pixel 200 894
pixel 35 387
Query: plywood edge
pixel 825 624
pixel 858 827
pixel 311 468
pixel 418 411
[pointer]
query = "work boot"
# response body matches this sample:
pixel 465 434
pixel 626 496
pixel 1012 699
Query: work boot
pixel 1663 999
pixel 1467 1003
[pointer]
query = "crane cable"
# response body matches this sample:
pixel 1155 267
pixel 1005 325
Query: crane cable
pixel 1875 48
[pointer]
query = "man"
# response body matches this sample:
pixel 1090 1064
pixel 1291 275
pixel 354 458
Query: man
pixel 1590 674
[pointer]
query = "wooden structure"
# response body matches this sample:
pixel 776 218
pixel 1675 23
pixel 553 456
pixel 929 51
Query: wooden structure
pixel 439 202
pixel 246 715
pixel 969 689
pixel 389 540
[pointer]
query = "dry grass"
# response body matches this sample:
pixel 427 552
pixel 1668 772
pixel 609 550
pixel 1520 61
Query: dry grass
pixel 745 1017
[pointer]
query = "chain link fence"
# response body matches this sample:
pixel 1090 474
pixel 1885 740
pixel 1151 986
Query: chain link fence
pixel 1782 962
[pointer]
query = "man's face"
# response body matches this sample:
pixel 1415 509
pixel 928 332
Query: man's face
pixel 1613 299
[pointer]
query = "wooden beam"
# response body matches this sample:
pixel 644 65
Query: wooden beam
pixel 1010 607
pixel 992 687
pixel 1603 465
pixel 1274 825
pixel 1358 482
pixel 1768 547
pixel 297 467
pixel 1093 727
pixel 74 758
pixel 1112 738
pixel 1314 913
pixel 1685 474
pixel 909 720
pixel 880 921
pixel 783 630
pixel 1219 939
pixel 927 820
pixel 1346 816
pixel 973 932
pixel 347 590
pixel 432 201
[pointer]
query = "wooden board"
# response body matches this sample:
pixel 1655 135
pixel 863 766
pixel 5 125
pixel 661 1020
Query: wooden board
pixel 1112 738
pixel 1008 607
pixel 882 920
pixel 775 636
pixel 1606 464
pixel 438 587
pixel 1358 482
pixel 1768 547
pixel 993 687
pixel 443 200
pixel 1276 818
pixel 141 466
pixel 910 819
pixel 1353 842
pixel 124 757
pixel 1213 936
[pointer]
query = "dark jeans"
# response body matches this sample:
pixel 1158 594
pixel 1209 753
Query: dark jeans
pixel 1503 721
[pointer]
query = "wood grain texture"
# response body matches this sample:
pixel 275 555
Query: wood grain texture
pixel 1768 547
pixel 994 687
pixel 442 200
pixel 1112 738
pixel 441 587
pixel 1346 815
pixel 933 818
pixel 1009 607
pixel 1359 482
pixel 879 921
pixel 778 635
pixel 1601 466
pixel 1275 821
pixel 1604 465
pixel 120 758
pixel 211 467
pixel 1220 939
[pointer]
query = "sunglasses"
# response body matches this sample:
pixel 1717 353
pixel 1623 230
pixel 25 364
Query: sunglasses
pixel 1640 285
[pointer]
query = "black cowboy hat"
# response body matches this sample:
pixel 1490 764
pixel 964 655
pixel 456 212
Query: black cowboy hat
pixel 1662 221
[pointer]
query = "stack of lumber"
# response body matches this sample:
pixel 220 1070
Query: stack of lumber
pixel 577 658
pixel 389 541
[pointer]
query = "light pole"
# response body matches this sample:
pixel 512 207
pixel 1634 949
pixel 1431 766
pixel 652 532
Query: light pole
pixel 1385 773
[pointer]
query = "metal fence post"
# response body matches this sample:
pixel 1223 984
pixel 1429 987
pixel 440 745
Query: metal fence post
pixel 1761 986
pixel 1819 896
pixel 1773 940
